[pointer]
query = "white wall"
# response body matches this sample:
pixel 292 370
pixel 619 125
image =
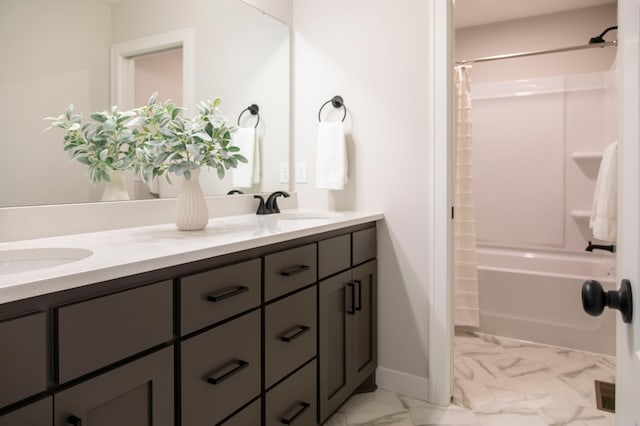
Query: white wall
pixel 374 53
pixel 543 32
pixel 279 9
pixel 40 75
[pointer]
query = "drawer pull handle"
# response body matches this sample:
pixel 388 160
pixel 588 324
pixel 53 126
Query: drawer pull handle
pixel 352 286
pixel 240 365
pixel 289 421
pixel 295 270
pixel 295 333
pixel 74 421
pixel 227 294
pixel 359 307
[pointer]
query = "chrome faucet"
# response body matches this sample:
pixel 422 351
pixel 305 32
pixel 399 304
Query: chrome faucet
pixel 271 205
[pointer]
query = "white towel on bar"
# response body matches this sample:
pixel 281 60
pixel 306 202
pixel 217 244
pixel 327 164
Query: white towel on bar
pixel 331 156
pixel 604 214
pixel 246 174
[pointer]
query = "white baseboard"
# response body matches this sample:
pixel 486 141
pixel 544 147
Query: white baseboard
pixel 403 383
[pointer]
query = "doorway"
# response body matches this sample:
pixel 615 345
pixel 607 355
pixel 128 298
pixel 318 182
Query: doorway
pixel 514 68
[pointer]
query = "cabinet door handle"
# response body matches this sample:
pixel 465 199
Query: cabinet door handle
pixel 227 294
pixel 239 366
pixel 74 421
pixel 359 307
pixel 289 421
pixel 295 270
pixel 352 286
pixel 293 334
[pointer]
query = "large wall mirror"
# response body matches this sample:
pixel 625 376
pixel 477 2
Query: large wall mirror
pixel 58 52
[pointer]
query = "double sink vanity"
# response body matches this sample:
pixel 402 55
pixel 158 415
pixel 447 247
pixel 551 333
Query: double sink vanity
pixel 256 320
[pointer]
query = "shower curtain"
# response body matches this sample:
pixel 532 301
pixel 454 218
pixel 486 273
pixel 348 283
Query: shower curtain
pixel 466 304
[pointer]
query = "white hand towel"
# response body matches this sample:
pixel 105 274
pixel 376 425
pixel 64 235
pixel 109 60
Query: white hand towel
pixel 246 174
pixel 331 156
pixel 605 198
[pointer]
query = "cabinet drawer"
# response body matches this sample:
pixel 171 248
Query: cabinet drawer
pixel 220 370
pixel 137 393
pixel 294 400
pixel 38 413
pixel 290 334
pixel 23 357
pixel 213 296
pixel 98 332
pixel 249 416
pixel 289 270
pixel 334 255
pixel 364 245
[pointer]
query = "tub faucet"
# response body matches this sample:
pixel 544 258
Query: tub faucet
pixel 592 247
pixel 272 205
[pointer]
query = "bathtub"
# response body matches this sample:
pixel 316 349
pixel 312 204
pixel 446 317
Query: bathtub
pixel 536 296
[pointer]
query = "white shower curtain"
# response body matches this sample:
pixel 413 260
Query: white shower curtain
pixel 466 305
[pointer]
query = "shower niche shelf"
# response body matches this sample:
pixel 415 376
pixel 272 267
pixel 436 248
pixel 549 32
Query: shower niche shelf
pixel 581 214
pixel 586 156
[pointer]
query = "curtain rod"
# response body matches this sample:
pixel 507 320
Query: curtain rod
pixel 537 52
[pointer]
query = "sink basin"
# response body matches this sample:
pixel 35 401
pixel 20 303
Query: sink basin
pixel 306 215
pixel 14 261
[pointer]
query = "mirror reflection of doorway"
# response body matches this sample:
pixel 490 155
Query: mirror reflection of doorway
pixel 157 72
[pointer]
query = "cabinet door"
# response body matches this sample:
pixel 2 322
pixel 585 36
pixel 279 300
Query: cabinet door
pixel 336 309
pixel 23 357
pixel 363 346
pixel 139 393
pixel 38 413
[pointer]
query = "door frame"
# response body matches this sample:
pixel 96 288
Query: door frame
pixel 440 224
pixel 122 64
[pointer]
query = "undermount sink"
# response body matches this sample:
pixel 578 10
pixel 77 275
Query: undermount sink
pixel 310 215
pixel 15 261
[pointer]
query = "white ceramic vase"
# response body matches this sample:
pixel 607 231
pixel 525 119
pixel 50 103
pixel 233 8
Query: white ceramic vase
pixel 116 189
pixel 192 213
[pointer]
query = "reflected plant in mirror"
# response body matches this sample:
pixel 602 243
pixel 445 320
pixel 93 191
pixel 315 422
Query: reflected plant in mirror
pixel 105 144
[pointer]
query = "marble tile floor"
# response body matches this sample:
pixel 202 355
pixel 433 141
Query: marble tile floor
pixel 498 382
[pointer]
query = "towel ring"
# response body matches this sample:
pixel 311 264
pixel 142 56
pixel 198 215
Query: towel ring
pixel 253 109
pixel 336 102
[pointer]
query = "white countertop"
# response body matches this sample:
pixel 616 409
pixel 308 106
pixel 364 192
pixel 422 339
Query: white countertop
pixel 129 251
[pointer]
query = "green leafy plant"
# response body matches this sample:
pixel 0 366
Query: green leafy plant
pixel 104 144
pixel 167 142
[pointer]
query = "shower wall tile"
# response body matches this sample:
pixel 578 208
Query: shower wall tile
pixel 518 156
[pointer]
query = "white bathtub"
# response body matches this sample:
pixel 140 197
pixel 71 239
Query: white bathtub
pixel 536 296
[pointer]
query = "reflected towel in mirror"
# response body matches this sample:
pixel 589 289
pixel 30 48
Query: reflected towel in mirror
pixel 247 174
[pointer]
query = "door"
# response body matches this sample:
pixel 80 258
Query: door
pixel 334 308
pixel 139 393
pixel 628 335
pixel 363 348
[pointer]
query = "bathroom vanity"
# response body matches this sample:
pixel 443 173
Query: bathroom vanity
pixel 253 321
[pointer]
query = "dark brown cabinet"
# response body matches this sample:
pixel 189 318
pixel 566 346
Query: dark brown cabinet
pixel 347 328
pixel 23 357
pixel 38 413
pixel 220 370
pixel 293 401
pixel 274 335
pixel 140 393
